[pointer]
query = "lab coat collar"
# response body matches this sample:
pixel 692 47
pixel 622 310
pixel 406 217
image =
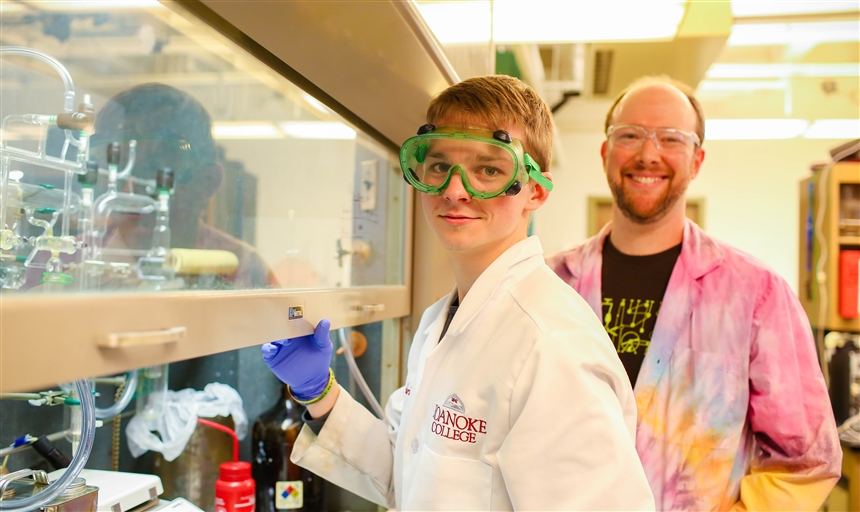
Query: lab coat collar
pixel 507 270
pixel 698 251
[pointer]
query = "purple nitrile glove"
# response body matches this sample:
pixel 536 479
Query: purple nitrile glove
pixel 303 362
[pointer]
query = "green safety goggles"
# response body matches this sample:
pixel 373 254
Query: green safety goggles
pixel 489 163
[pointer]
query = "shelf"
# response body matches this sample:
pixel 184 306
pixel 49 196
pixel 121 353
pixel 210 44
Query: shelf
pixel 849 240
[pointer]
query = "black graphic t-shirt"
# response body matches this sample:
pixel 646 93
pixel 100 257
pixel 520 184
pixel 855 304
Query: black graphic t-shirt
pixel 632 291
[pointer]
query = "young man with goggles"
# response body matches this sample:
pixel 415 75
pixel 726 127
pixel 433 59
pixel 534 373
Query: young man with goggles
pixel 514 397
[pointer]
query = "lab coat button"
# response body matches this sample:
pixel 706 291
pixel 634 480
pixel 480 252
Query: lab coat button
pixel 414 446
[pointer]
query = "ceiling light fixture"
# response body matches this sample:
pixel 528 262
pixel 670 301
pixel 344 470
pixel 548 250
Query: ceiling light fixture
pixel 708 86
pixel 794 33
pixel 834 129
pixel 754 129
pixel 66 5
pixel 754 8
pixel 330 130
pixel 229 130
pixel 457 22
pixel 551 21
pixel 782 70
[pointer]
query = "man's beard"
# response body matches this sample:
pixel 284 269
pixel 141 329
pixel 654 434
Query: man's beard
pixel 654 213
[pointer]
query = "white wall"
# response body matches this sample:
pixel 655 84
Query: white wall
pixel 750 190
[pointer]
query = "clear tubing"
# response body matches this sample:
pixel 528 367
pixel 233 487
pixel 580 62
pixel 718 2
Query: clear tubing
pixel 359 379
pixel 152 392
pixel 41 121
pixel 104 208
pixel 86 235
pixel 65 150
pixel 69 100
pixel 68 84
pixel 67 204
pixel 82 454
pixel 124 173
pixel 47 226
pixel 132 151
pixel 124 400
pixel 49 232
pixel 4 188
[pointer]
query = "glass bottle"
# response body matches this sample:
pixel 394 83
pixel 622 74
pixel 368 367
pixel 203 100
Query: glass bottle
pixel 282 485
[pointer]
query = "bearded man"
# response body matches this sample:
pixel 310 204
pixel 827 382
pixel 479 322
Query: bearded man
pixel 733 409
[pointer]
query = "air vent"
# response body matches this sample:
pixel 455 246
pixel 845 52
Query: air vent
pixel 602 68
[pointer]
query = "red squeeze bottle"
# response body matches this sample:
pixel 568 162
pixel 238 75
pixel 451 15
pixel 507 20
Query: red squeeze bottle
pixel 235 490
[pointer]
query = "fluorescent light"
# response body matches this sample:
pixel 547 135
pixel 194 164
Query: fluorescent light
pixel 552 21
pixel 834 129
pixel 317 130
pixel 782 70
pixel 64 5
pixel 795 33
pixel 754 129
pixel 744 8
pixel 706 86
pixel 245 131
pixel 544 21
pixel 458 22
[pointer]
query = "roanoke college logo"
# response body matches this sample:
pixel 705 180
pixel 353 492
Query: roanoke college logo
pixel 449 424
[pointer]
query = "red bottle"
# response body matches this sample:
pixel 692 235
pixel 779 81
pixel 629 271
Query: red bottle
pixel 235 489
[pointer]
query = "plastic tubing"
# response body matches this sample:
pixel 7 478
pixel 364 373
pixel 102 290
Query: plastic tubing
pixel 222 428
pixel 68 84
pixel 22 51
pixel 359 379
pixel 124 400
pixel 5 160
pixel 82 454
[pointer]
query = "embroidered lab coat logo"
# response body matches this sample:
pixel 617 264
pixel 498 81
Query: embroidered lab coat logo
pixel 454 402
pixel 457 427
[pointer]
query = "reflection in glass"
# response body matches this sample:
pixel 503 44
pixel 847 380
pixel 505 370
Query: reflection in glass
pixel 269 188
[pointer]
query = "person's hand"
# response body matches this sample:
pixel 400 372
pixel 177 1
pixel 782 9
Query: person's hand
pixel 303 362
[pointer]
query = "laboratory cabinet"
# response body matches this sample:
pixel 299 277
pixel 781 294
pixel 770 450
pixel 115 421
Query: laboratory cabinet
pixel 181 182
pixel 829 245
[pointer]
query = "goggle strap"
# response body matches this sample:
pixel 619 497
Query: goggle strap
pixel 534 172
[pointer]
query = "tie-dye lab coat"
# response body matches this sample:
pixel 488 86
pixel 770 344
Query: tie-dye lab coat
pixel 733 410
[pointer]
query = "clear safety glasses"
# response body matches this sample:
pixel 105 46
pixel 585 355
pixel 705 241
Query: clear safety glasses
pixel 489 163
pixel 666 140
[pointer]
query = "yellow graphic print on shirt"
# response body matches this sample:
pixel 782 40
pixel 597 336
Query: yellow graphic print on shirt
pixel 626 323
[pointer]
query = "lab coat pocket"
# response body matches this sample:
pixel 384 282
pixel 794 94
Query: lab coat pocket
pixel 449 483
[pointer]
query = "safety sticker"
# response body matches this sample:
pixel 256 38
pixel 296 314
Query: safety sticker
pixel 289 495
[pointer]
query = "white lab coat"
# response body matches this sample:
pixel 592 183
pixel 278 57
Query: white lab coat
pixel 523 405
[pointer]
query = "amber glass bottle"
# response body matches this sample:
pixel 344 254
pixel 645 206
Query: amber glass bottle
pixel 281 485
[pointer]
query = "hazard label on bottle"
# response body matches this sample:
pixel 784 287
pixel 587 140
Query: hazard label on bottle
pixel 289 495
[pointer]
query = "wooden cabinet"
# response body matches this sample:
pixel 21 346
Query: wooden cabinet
pixel 824 233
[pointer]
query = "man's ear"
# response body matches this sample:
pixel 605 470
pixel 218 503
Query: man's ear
pixel 538 194
pixel 603 153
pixel 697 162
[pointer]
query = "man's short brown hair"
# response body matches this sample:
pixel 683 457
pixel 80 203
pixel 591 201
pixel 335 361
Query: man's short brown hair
pixel 662 79
pixel 499 100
